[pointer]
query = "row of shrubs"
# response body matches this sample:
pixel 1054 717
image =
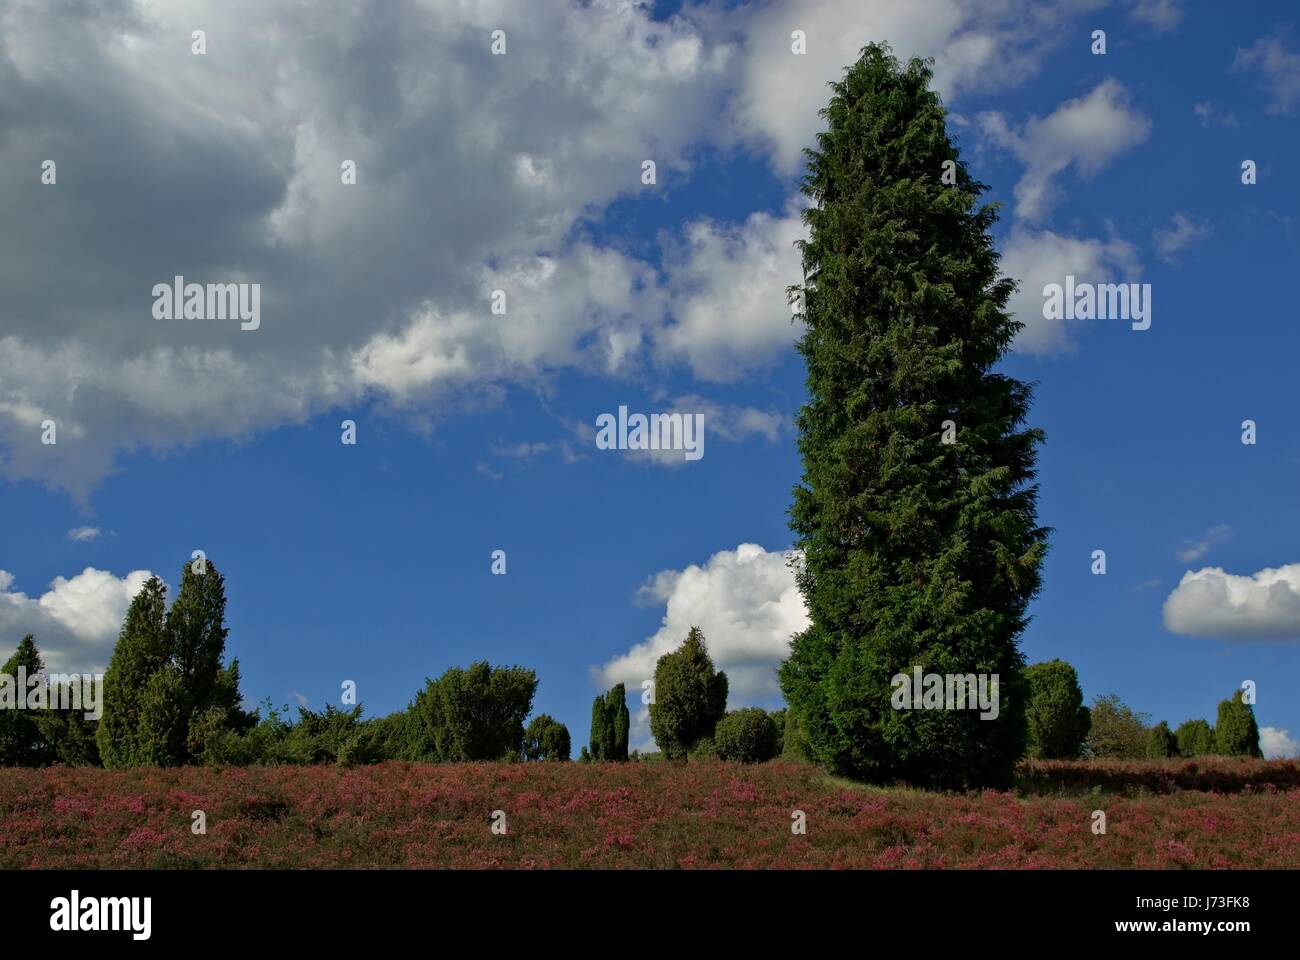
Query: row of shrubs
pixel 169 699
pixel 1211 774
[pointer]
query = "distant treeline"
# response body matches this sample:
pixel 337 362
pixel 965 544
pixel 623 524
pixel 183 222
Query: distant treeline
pixel 168 699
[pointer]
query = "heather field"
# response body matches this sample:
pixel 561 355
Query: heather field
pixel 1217 813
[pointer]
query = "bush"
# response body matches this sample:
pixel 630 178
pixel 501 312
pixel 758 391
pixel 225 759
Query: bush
pixel 610 722
pixel 473 714
pixel 1058 720
pixel 746 736
pixel 689 697
pixel 1161 742
pixel 1195 739
pixel 1117 732
pixel 702 748
pixel 1235 733
pixel 794 745
pixel 23 742
pixel 546 739
pixel 320 737
pixel 778 718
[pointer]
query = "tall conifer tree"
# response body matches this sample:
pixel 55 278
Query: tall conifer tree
pixel 916 514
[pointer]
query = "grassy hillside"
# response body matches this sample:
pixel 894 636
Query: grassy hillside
pixel 655 815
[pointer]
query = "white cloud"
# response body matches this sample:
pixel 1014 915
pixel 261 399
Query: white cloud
pixel 1210 115
pixel 1193 550
pixel 75 622
pixel 1279 68
pixel 731 313
pixel 474 171
pixel 1211 602
pixel 1164 15
pixel 1277 744
pixel 1086 133
pixel 748 606
pixel 975 46
pixel 1182 233
pixel 1035 258
pixel 84 534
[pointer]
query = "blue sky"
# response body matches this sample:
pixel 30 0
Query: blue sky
pixel 476 432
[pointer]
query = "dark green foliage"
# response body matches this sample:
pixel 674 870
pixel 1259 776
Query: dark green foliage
pixel 196 634
pixel 164 720
pixel 602 732
pixel 142 650
pixel 167 696
pixel 778 720
pixel 470 714
pixel 702 748
pixel 616 703
pixel 1235 732
pixel 610 723
pixel 1195 738
pixel 794 745
pixel 1058 719
pixel 584 756
pixel 690 697
pixel 23 739
pixel 320 737
pixel 1161 742
pixel 915 552
pixel 1117 731
pixel 546 739
pixel 66 728
pixel 746 736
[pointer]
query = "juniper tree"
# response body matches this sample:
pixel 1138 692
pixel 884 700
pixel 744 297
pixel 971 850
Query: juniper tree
pixel 1236 733
pixel 916 514
pixel 1161 742
pixel 24 740
pixel 1058 719
pixel 546 739
pixel 690 697
pixel 166 691
pixel 196 630
pixel 142 650
pixel 610 723
pixel 1195 738
pixel 602 734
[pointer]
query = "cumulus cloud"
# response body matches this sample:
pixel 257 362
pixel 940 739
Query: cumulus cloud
pixel 975 46
pixel 473 172
pixel 75 621
pixel 1277 744
pixel 1278 67
pixel 731 283
pixel 1035 258
pixel 748 606
pixel 1085 133
pixel 1212 602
